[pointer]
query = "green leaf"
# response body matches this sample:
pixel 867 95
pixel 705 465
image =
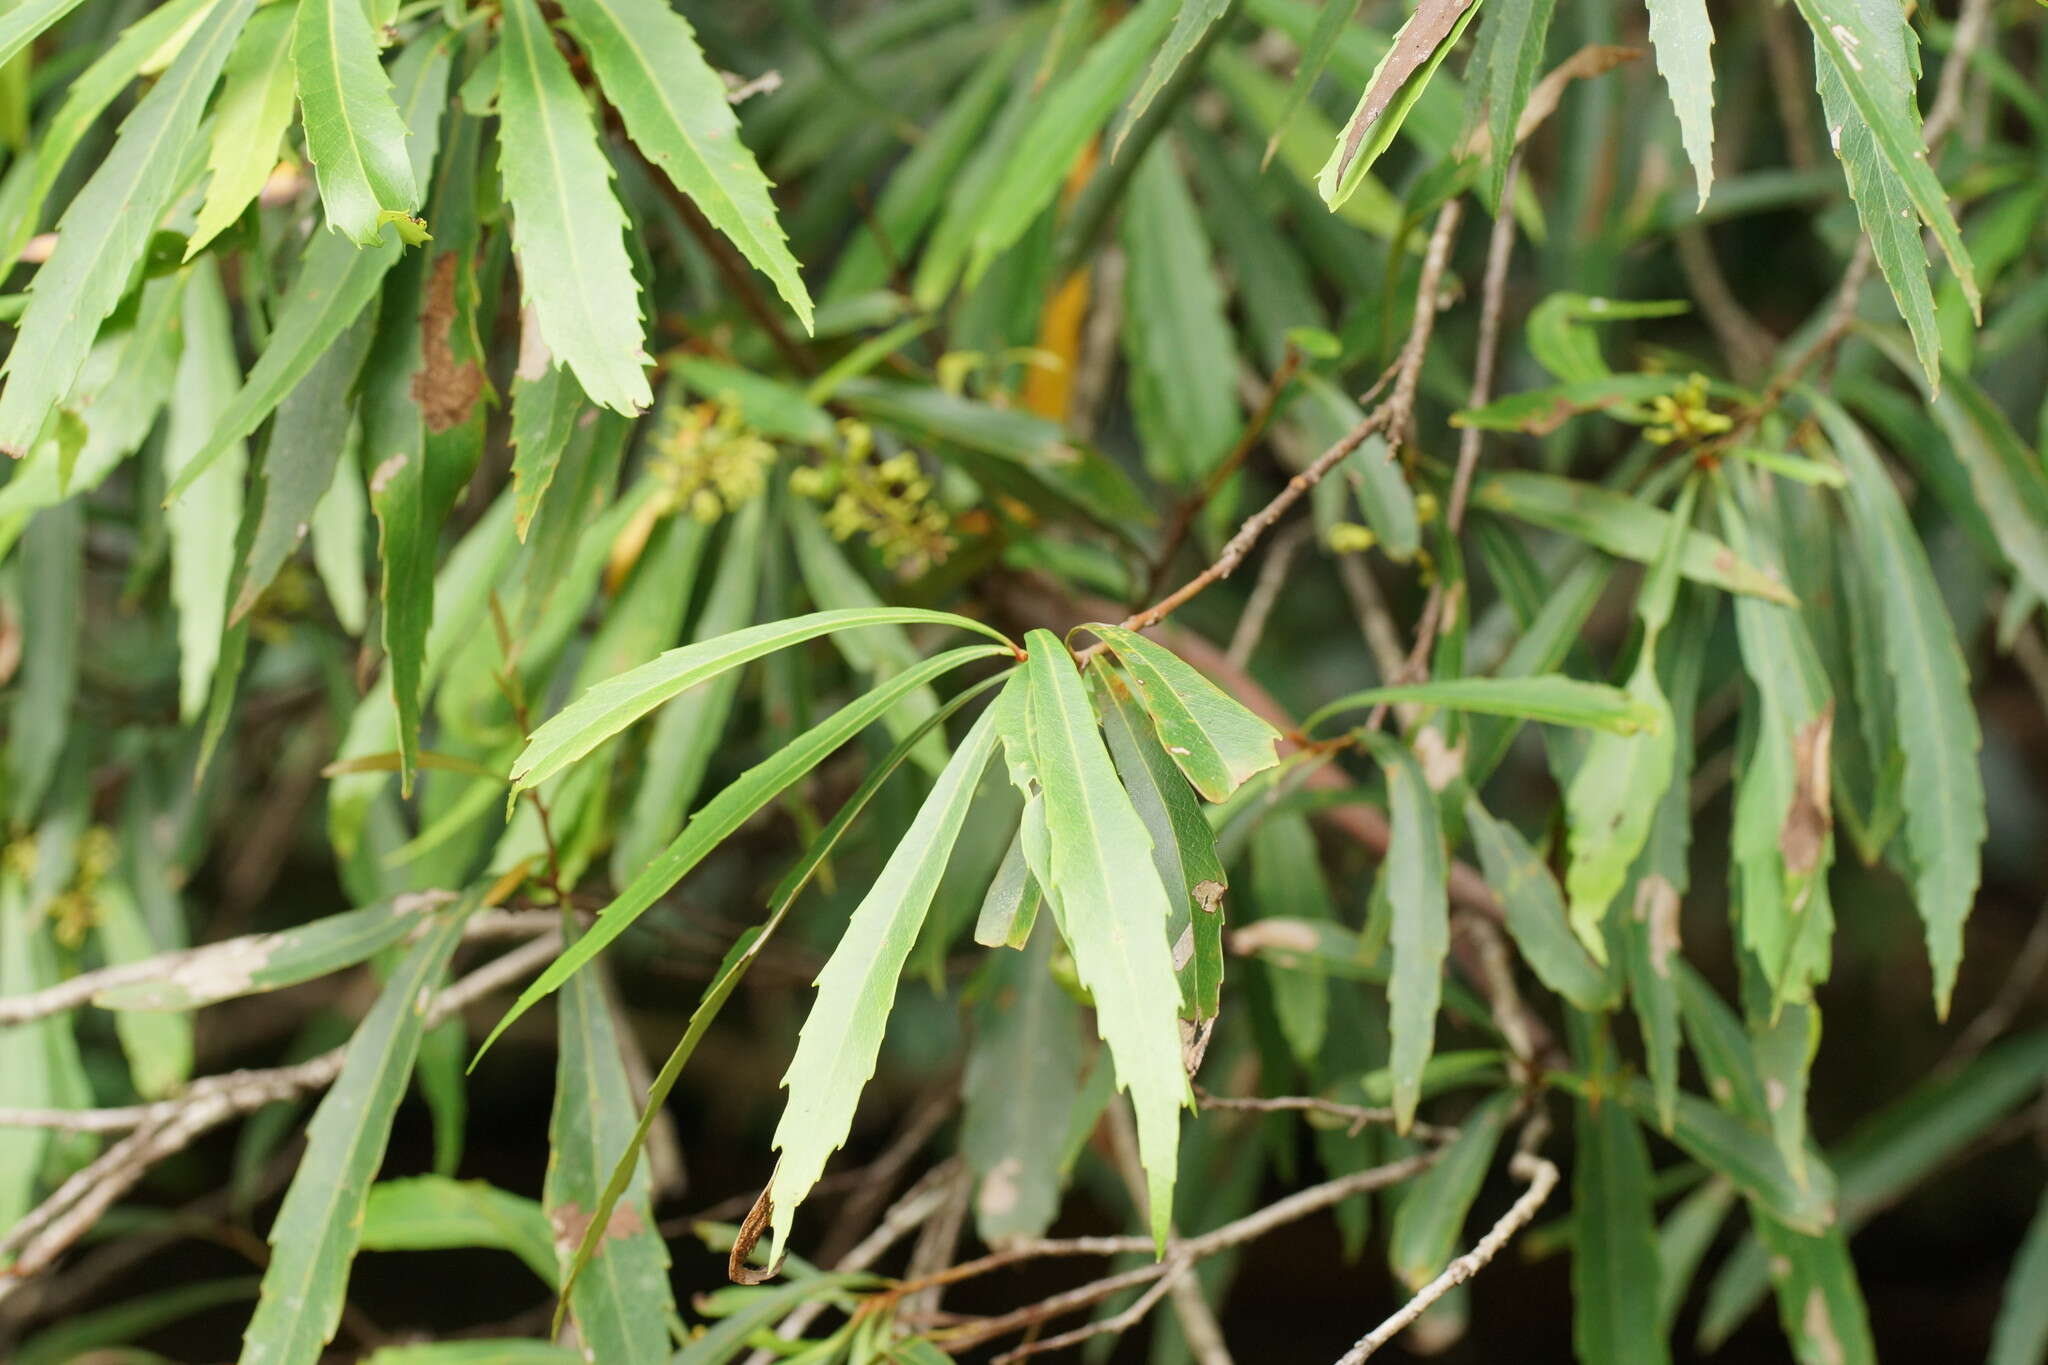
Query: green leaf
pixel 300 463
pixel 2021 1334
pixel 1063 119
pixel 1261 100
pixel 1209 734
pixel 434 1213
pixel 42 695
pixel 1550 698
pixel 762 1308
pixel 1183 844
pixel 1010 907
pixel 1023 1080
pixel 612 705
pixel 1535 911
pixel 266 962
pixel 1176 335
pixel 842 1035
pixel 335 281
pixel 1190 21
pixel 506 1351
pixel 1614 1247
pixel 742 955
pixel 690 728
pixel 1415 876
pixel 1613 798
pixel 315 1236
pixel 1286 880
pixel 1434 1208
pixel 621 1299
pixel 546 406
pixel 1110 906
pixel 1683 1241
pixel 725 812
pixel 1397 83
pixel 104 233
pixel 88 1335
pixel 1563 343
pixel 355 136
pixel 1511 43
pixel 250 120
pixel 27 21
pixel 1683 37
pixel 674 108
pixel 1331 20
pixel 573 269
pixel 1539 412
pixel 27 964
pixel 1746 1156
pixel 1937 722
pixel 159 1051
pixel 1623 526
pixel 1869 47
pixel 202 552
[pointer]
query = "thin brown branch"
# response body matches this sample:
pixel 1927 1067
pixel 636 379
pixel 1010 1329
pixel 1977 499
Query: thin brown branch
pixel 1542 1176
pixel 1357 1115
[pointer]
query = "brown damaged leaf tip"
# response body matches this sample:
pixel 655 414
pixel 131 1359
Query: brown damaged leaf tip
pixel 736 1268
pixel 1413 46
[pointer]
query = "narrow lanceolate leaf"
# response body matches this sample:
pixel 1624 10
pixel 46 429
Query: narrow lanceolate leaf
pixel 431 1212
pixel 26 965
pixel 1745 1154
pixel 300 462
pixel 2021 1336
pixel 267 962
pixel 1550 698
pixel 725 812
pixel 335 282
pixel 1111 908
pixel 1010 907
pixel 1820 1303
pixel 1621 525
pixel 1512 39
pixel 835 1053
pixel 1190 22
pixel 315 1237
pixel 1210 735
pixel 1937 721
pixel 617 702
pixel 1176 333
pixel 1868 45
pixel 675 109
pixel 202 545
pixel 1613 797
pixel 1397 82
pixel 1023 1080
pixel 22 24
pixel 1183 844
pixel 689 728
pixel 1062 121
pixel 1434 1208
pixel 1535 912
pixel 1287 880
pixel 52 613
pixel 355 136
pixel 568 228
pixel 1614 1244
pixel 546 403
pixel 249 123
pixel 104 232
pixel 1683 36
pixel 1415 874
pixel 1331 20
pixel 621 1301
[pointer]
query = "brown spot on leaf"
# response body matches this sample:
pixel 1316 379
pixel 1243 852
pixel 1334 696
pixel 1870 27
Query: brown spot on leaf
pixel 1209 896
pixel 572 1225
pixel 445 388
pixel 1811 816
pixel 1656 906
